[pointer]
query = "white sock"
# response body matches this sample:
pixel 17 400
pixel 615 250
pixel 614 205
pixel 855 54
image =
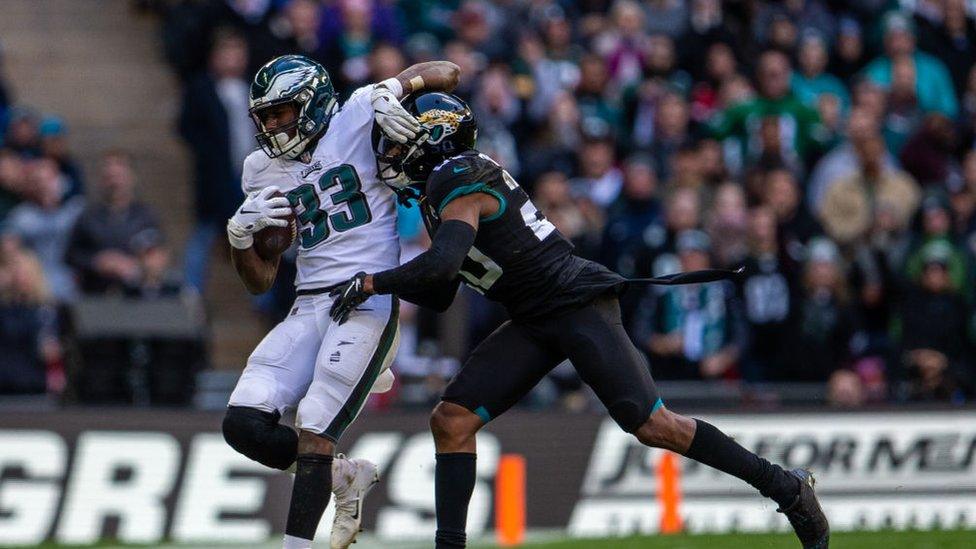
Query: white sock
pixel 291 542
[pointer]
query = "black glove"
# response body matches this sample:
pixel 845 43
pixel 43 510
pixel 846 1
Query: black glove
pixel 348 295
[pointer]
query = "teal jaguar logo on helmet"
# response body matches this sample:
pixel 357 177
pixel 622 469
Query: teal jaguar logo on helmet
pixel 306 84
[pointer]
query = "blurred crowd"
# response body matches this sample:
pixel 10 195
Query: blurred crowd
pixel 827 147
pixel 63 238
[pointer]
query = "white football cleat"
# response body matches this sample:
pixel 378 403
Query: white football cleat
pixel 352 479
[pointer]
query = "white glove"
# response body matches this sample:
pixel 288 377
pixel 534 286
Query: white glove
pixel 398 124
pixel 258 211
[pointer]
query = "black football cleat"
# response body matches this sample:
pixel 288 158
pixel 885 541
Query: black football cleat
pixel 805 514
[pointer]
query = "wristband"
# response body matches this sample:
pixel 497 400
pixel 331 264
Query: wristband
pixel 394 86
pixel 417 83
pixel 238 238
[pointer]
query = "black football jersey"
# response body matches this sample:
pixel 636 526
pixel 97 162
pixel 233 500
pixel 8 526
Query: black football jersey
pixel 518 258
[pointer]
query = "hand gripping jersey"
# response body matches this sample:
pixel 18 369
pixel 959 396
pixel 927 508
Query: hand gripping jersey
pixel 346 216
pixel 519 258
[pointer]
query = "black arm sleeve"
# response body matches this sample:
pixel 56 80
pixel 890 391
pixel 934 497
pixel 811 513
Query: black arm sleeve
pixel 437 299
pixel 437 266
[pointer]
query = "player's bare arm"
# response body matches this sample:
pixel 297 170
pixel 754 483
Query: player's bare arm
pixel 431 76
pixel 255 272
pixel 261 209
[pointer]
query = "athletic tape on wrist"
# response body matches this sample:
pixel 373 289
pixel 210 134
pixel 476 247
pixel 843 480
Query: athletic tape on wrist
pixel 394 86
pixel 416 83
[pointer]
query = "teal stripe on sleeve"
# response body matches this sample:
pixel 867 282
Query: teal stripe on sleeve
pixel 471 189
pixel 483 414
pixel 657 405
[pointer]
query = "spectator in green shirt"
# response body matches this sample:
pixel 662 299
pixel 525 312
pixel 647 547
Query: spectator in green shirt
pixel 811 80
pixel 933 84
pixel 799 125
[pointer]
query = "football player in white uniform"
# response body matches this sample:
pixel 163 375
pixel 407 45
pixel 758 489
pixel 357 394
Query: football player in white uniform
pixel 317 160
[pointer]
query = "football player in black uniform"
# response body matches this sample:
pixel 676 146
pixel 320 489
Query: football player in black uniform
pixel 487 233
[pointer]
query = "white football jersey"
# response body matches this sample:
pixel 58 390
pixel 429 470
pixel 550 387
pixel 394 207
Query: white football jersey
pixel 346 216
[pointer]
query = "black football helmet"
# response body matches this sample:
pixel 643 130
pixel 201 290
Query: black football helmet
pixel 448 128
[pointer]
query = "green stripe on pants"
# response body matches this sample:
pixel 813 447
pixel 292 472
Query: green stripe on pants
pixel 356 400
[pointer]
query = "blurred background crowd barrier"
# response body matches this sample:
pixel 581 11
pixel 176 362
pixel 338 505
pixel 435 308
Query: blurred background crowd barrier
pixel 826 146
pixel 167 475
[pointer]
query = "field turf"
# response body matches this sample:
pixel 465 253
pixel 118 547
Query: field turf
pixel 853 540
pixel 956 539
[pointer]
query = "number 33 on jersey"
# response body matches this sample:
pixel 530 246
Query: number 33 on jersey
pixel 346 217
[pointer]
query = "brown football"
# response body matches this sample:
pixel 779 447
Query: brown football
pixel 270 242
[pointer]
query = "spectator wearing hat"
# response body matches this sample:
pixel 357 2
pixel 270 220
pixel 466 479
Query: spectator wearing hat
pixel 54 145
pixel 937 227
pixel 43 223
pixel 852 202
pixel 825 321
pixel 105 241
pixel 691 332
pixel 932 357
pixel 933 84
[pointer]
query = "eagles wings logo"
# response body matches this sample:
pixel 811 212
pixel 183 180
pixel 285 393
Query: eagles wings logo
pixel 285 83
pixel 441 124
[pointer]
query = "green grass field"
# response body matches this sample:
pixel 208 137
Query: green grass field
pixel 957 539
pixel 856 540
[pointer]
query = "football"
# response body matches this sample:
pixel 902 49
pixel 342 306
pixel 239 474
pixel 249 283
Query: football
pixel 270 242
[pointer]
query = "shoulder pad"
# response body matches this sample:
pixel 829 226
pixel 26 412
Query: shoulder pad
pixel 257 167
pixel 255 163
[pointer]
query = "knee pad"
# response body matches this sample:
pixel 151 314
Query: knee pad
pixel 259 436
pixel 628 414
